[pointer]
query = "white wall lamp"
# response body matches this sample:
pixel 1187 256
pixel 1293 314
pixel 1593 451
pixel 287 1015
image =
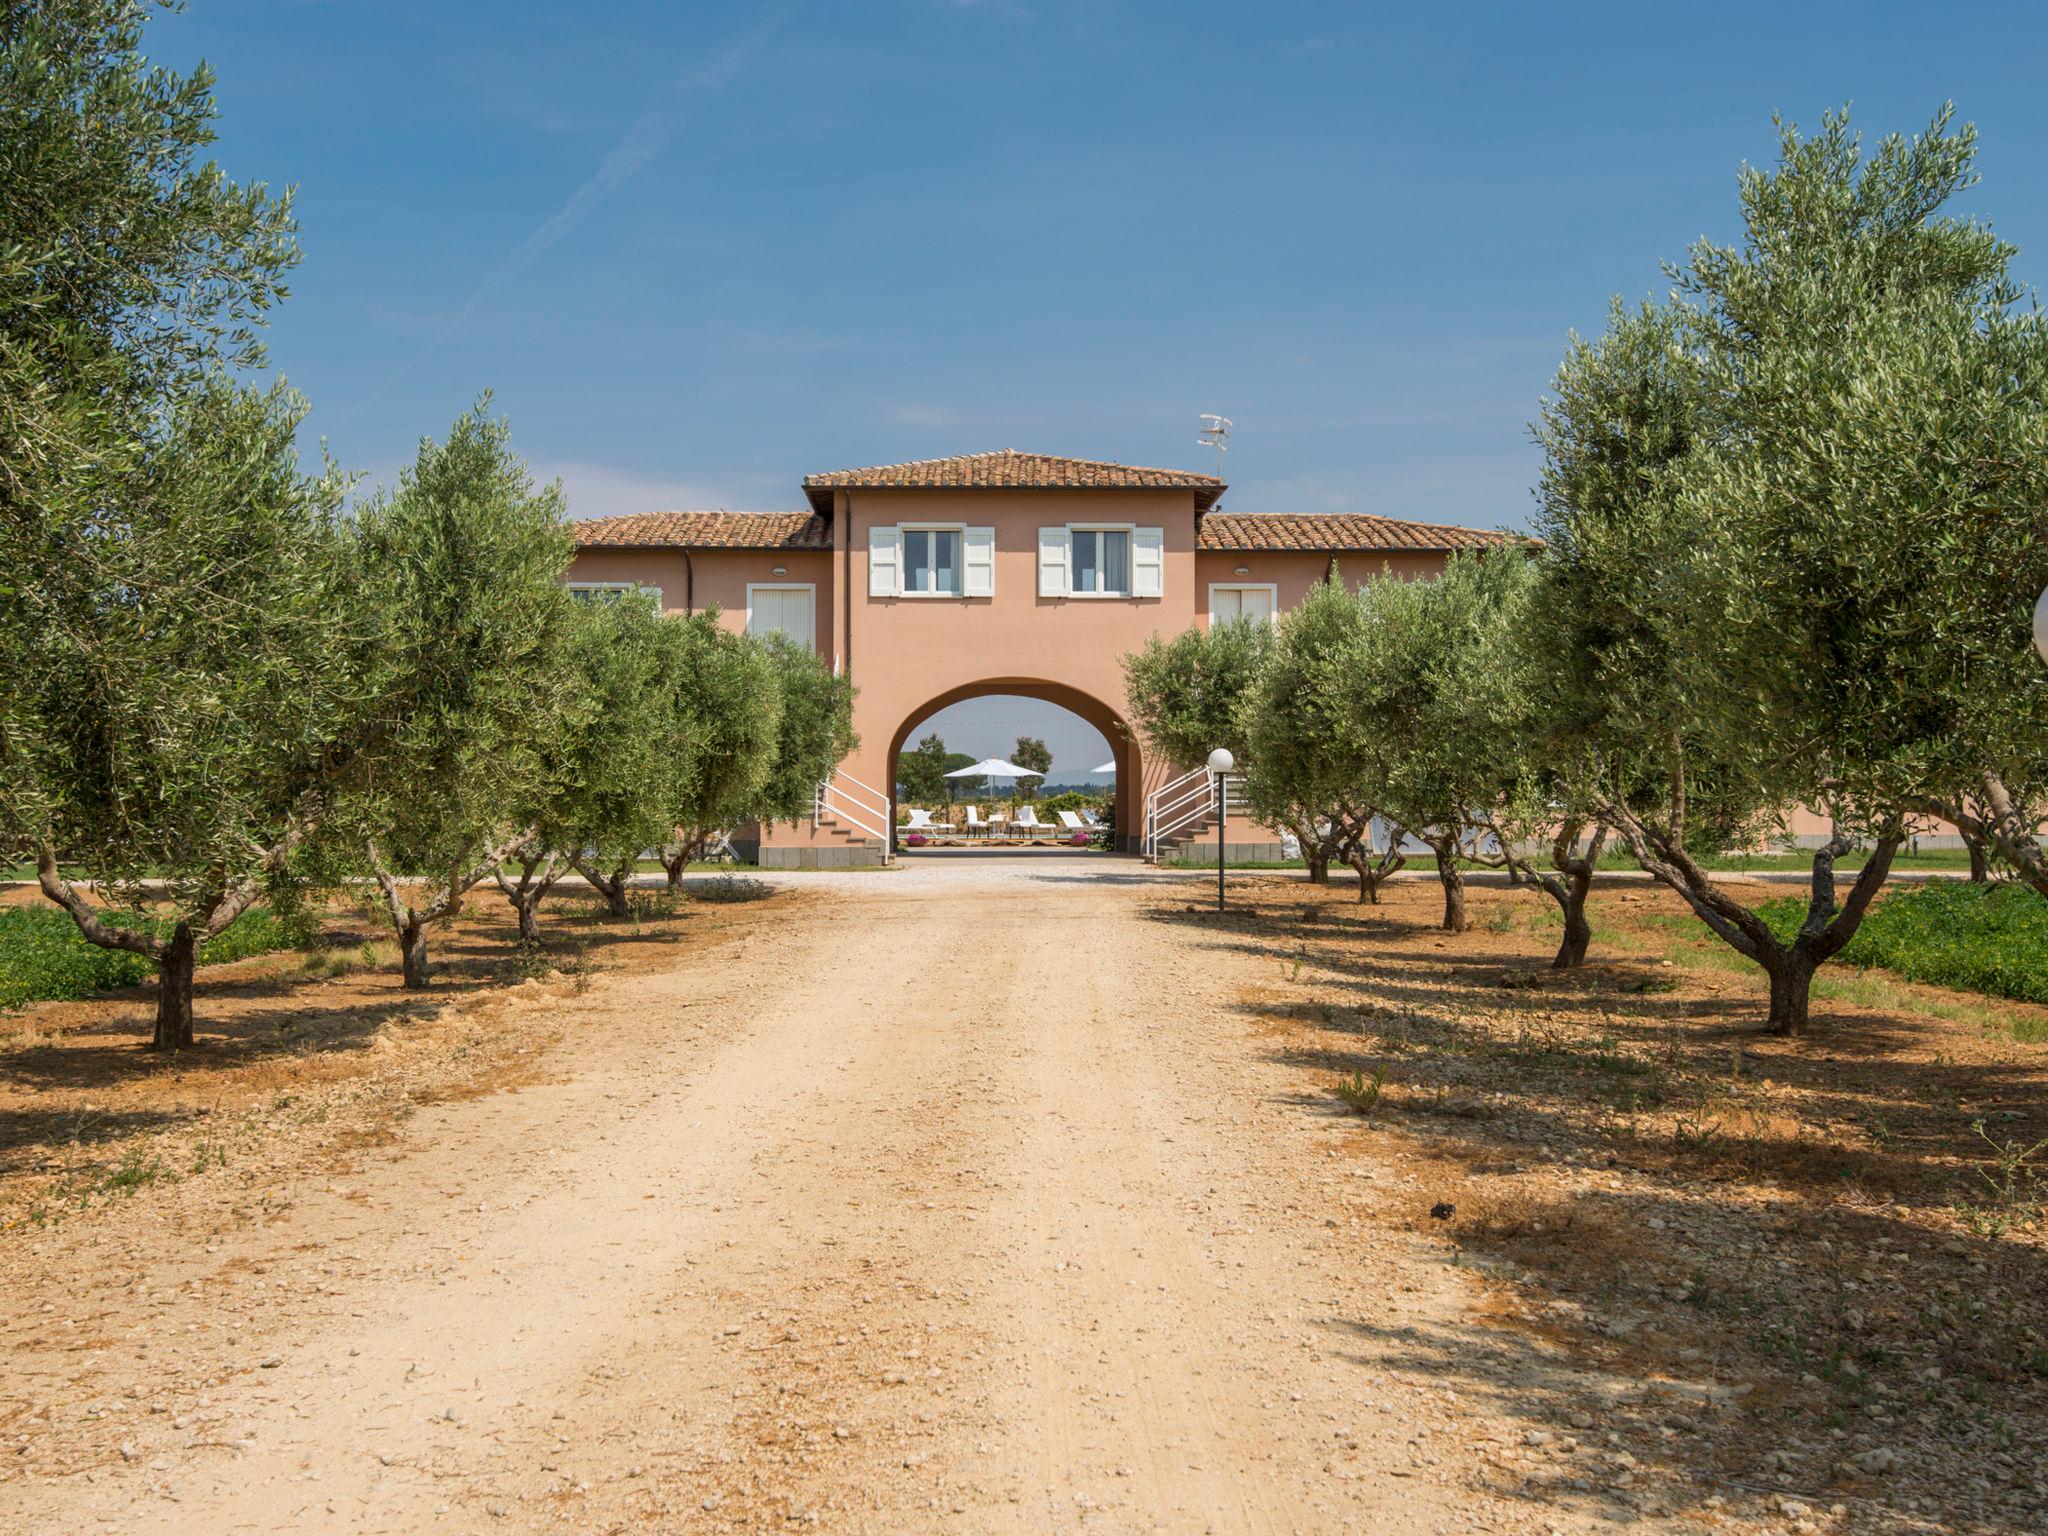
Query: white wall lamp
pixel 2041 625
pixel 780 570
pixel 1244 570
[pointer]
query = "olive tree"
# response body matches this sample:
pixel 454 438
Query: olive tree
pixel 814 735
pixel 604 758
pixel 465 557
pixel 1826 528
pixel 199 693
pixel 1302 767
pixel 1189 695
pixel 187 679
pixel 728 714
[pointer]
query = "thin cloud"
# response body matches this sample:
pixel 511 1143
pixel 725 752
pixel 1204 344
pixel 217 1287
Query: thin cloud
pixel 650 133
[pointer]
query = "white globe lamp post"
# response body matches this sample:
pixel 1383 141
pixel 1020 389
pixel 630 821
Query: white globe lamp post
pixel 1220 764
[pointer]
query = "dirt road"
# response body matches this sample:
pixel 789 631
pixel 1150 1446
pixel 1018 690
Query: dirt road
pixel 957 1202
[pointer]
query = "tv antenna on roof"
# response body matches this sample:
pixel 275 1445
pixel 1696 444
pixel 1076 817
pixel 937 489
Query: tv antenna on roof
pixel 1216 434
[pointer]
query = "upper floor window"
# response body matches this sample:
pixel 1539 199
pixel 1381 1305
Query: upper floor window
pixel 923 560
pixel 1076 560
pixel 1102 562
pixel 931 561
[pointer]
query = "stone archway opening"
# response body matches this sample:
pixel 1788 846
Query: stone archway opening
pixel 1120 743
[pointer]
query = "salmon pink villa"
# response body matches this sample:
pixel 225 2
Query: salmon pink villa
pixel 991 573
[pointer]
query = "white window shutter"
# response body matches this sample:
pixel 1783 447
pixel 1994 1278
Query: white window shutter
pixel 978 562
pixel 1148 562
pixel 885 562
pixel 1055 558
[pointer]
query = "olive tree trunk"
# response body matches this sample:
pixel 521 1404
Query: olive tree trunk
pixel 2002 822
pixel 1566 882
pixel 537 876
pixel 1980 865
pixel 175 955
pixel 1453 880
pixel 175 965
pixel 411 922
pixel 613 885
pixel 1828 925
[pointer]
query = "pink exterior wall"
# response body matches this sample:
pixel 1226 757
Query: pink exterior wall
pixel 1293 572
pixel 714 577
pixel 910 656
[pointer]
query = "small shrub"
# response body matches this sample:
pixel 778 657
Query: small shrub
pixel 2011 1183
pixel 1362 1093
pixel 726 888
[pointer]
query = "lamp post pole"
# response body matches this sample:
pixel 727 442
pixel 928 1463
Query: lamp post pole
pixel 1220 764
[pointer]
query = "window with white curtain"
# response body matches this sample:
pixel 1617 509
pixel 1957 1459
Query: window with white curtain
pixel 931 561
pixel 1102 562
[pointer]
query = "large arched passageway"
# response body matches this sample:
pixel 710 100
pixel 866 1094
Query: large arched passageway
pixel 1124 748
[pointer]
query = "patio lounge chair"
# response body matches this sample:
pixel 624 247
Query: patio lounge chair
pixel 1028 823
pixel 975 823
pixel 1091 818
pixel 921 821
pixel 1072 822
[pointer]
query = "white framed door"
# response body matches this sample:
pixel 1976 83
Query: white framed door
pixel 788 608
pixel 1246 600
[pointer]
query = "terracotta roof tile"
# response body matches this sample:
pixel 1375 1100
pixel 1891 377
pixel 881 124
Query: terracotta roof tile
pixel 705 530
pixel 1335 532
pixel 1011 470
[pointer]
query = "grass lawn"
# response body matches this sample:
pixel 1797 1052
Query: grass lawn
pixel 43 958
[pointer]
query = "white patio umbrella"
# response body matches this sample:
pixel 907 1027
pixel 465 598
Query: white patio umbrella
pixel 993 768
pixel 1108 767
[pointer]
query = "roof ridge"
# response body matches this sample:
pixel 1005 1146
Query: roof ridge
pixel 1019 453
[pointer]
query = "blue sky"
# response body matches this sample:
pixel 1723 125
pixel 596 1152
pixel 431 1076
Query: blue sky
pixel 700 250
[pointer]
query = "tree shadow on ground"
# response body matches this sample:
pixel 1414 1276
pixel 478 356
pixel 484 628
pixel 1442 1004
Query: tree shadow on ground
pixel 284 1005
pixel 1661 1192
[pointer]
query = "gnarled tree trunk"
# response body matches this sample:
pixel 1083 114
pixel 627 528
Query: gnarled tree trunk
pixel 175 963
pixel 1980 865
pixel 1453 880
pixel 613 886
pixel 2001 821
pixel 412 950
pixel 1829 923
pixel 536 878
pixel 1567 886
pixel 411 923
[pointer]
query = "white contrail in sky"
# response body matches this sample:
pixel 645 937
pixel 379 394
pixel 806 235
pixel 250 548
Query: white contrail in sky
pixel 660 120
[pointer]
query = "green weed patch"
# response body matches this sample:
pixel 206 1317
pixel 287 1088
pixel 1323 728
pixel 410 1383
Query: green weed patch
pixel 44 959
pixel 1950 933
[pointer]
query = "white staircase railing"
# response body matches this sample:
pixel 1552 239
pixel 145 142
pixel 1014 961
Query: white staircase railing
pixel 1181 803
pixel 846 799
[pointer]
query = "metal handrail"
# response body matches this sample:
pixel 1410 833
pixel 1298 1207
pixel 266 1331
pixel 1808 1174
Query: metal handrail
pixel 831 800
pixel 1181 803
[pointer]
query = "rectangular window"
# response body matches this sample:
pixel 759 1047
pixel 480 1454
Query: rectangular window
pixel 1256 600
pixel 1102 562
pixel 931 561
pixel 783 610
